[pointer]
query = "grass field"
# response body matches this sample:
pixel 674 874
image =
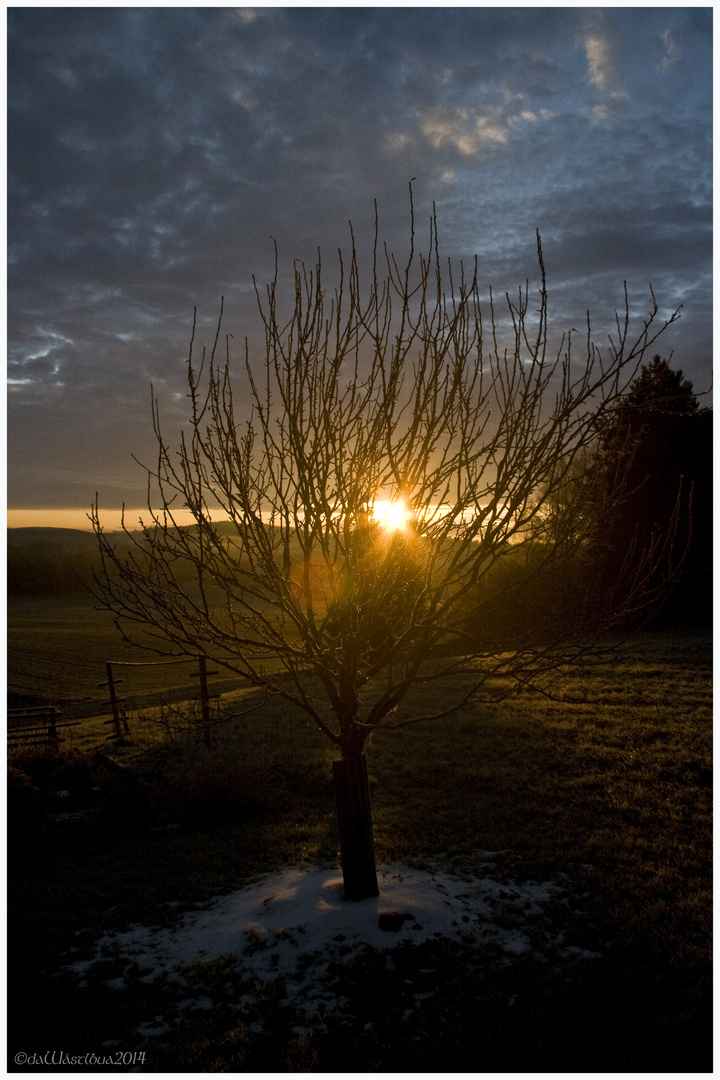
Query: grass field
pixel 611 798
pixel 58 649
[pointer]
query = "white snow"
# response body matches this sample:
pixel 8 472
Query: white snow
pixel 296 922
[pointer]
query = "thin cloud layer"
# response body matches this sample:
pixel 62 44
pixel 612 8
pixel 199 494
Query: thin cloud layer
pixel 153 153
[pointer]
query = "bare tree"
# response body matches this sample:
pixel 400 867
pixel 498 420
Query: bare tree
pixel 397 450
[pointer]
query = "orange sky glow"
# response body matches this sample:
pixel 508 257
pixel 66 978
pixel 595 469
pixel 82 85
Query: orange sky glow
pixel 391 515
pixel 78 519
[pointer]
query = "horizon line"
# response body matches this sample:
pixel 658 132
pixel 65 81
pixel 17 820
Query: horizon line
pixel 76 518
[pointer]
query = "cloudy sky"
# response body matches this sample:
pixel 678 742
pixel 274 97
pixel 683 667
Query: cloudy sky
pixel 153 153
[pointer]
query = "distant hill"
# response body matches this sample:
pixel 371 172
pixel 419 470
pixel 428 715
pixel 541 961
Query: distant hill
pixel 38 538
pixel 50 562
pixel 46 561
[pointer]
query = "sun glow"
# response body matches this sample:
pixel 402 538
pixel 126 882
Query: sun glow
pixel 392 516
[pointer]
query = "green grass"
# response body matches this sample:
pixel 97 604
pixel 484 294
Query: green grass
pixel 58 648
pixel 610 797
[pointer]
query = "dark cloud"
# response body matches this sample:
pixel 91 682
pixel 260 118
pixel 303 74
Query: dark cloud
pixel 153 153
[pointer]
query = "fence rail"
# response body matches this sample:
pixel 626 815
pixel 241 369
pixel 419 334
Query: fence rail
pixel 40 724
pixel 120 698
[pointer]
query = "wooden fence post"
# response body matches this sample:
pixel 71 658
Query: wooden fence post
pixel 117 718
pixel 204 697
pixel 53 733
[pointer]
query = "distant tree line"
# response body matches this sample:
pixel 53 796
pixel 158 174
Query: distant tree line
pixel 646 481
pixel 662 440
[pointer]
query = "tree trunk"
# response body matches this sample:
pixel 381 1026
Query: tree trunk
pixel 357 848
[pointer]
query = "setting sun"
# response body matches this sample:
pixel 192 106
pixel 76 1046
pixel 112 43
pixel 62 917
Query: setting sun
pixel 392 516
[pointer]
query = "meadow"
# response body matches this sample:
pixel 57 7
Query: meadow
pixel 58 647
pixel 610 797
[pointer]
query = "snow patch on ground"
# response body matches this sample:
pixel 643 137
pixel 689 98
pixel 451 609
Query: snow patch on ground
pixel 295 923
